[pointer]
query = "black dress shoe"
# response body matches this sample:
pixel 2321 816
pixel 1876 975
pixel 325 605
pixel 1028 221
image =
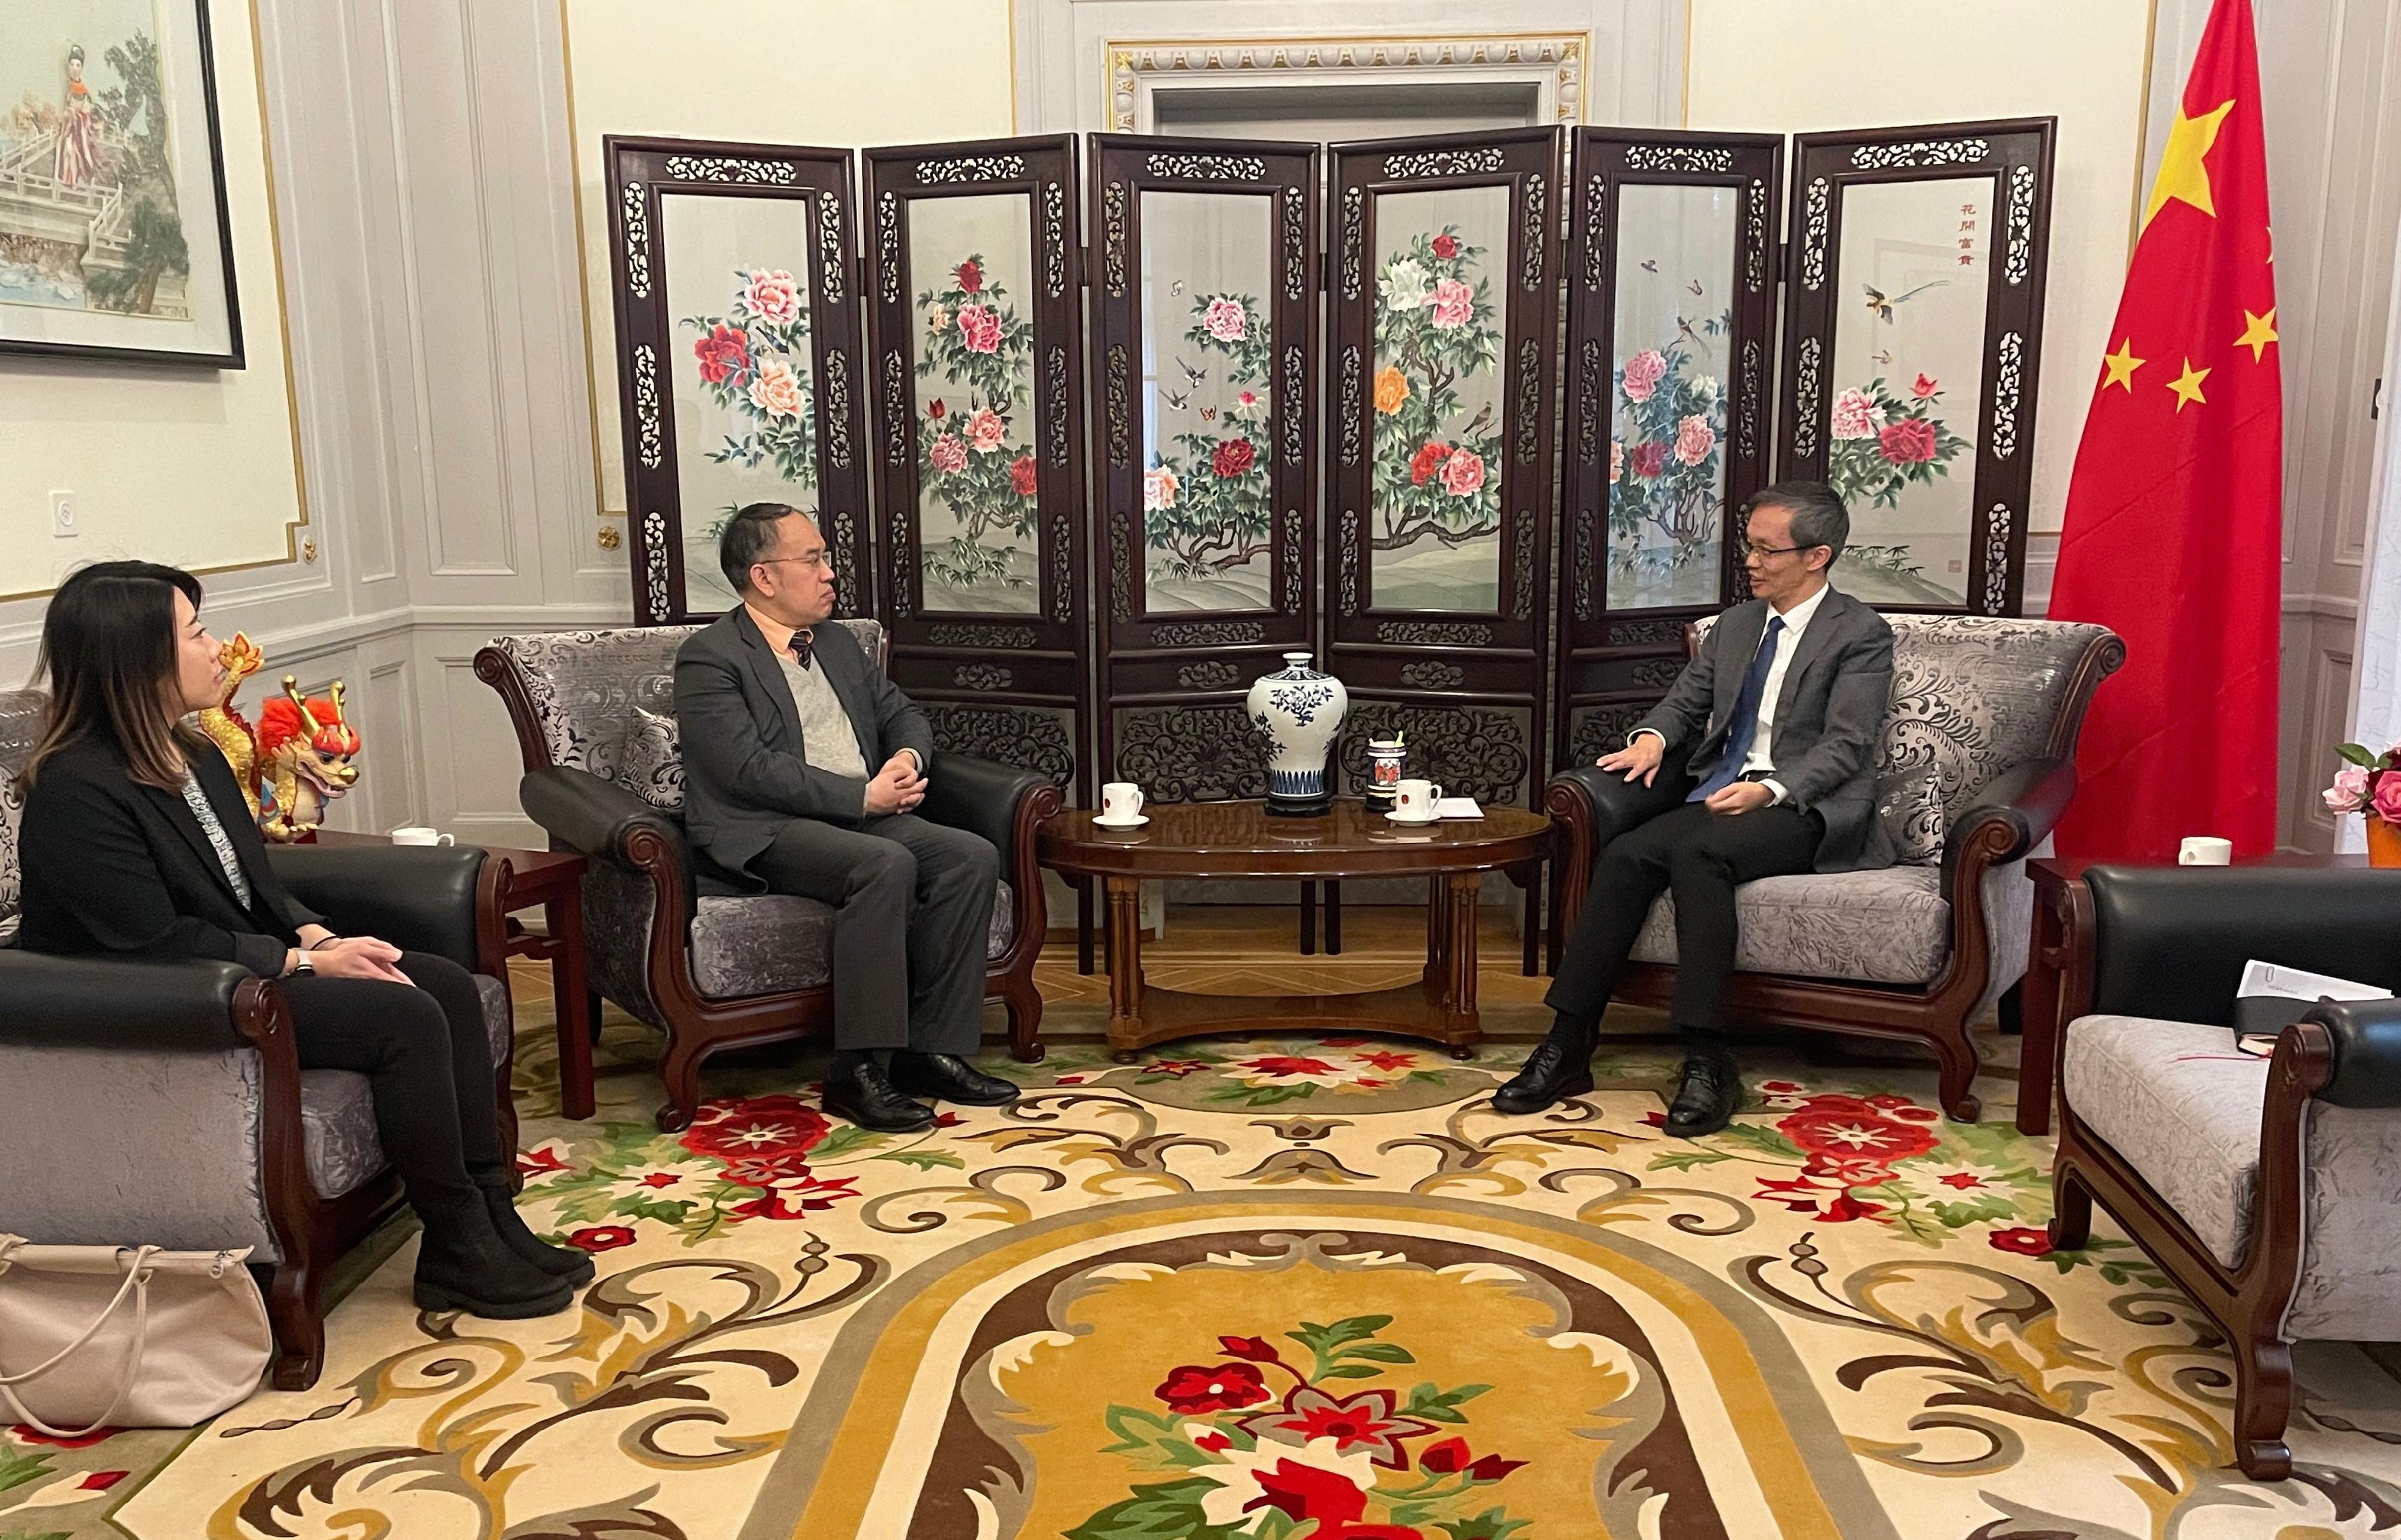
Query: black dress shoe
pixel 866 1097
pixel 947 1077
pixel 1554 1070
pixel 1708 1098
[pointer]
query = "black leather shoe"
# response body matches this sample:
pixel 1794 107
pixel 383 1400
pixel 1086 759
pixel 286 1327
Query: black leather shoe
pixel 1553 1071
pixel 463 1265
pixel 947 1077
pixel 1708 1097
pixel 866 1097
pixel 563 1263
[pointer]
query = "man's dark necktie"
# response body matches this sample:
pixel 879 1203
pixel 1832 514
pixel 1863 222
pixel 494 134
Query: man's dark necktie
pixel 800 644
pixel 1745 725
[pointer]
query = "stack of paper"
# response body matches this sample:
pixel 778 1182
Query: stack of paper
pixel 1457 807
pixel 2272 997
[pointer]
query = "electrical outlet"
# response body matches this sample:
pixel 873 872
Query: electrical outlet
pixel 64 509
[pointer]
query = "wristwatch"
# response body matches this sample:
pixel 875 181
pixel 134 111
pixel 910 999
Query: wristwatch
pixel 301 966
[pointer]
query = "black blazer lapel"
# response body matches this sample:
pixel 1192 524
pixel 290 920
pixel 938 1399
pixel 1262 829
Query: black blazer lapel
pixel 178 814
pixel 769 672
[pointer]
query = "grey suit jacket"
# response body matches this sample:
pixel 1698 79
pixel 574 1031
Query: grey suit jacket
pixel 745 770
pixel 1828 716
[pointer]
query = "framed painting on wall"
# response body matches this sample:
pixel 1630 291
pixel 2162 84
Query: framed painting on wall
pixel 114 237
pixel 1671 315
pixel 737 357
pixel 974 318
pixel 1204 308
pixel 1913 328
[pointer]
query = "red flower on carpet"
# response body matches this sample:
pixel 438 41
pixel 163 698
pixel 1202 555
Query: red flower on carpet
pixel 1850 1170
pixel 1285 1064
pixel 1854 1130
pixel 1908 441
pixel 1216 1443
pixel 1365 1421
pixel 533 1163
pixel 26 1434
pixel 724 354
pixel 1306 1492
pixel 948 1120
pixel 600 1237
pixel 2024 1240
pixel 1341 1042
pixel 1179 1068
pixel 1847 1207
pixel 1918 1114
pixel 1191 1389
pixel 1656 1120
pixel 1255 1350
pixel 1492 1467
pixel 1448 1455
pixel 796 1200
pixel 1800 1193
pixel 660 1178
pixel 776 1124
pixel 1963 1181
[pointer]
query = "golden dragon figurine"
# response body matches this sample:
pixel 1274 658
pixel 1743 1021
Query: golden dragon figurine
pixel 299 757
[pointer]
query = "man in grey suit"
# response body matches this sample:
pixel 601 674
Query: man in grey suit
pixel 1781 711
pixel 803 764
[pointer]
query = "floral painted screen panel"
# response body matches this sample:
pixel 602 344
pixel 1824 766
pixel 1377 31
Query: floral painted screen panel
pixel 1438 386
pixel 1908 386
pixel 744 381
pixel 1208 402
pixel 1670 360
pixel 978 519
pixel 1912 324
pixel 737 352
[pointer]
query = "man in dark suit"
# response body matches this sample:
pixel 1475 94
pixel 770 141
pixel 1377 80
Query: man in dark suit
pixel 803 764
pixel 1774 724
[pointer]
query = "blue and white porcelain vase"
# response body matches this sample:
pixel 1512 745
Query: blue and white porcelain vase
pixel 1299 711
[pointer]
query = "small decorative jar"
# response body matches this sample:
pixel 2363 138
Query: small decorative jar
pixel 1386 758
pixel 1299 711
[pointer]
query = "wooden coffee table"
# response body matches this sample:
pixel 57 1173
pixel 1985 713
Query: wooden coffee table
pixel 1238 840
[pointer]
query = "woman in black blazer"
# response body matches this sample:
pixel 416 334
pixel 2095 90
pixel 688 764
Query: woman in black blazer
pixel 137 844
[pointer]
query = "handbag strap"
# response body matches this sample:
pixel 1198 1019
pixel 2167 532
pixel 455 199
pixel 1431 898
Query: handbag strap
pixel 136 1284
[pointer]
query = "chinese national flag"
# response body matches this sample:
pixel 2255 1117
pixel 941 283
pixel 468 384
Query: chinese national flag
pixel 2175 528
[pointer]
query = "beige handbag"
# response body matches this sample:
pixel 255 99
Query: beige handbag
pixel 103 1336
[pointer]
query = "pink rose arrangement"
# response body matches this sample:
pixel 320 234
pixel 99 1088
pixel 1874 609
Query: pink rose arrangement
pixel 2368 783
pixel 1226 319
pixel 985 430
pixel 772 296
pixel 1908 442
pixel 1694 438
pixel 1643 373
pixel 980 327
pixel 949 455
pixel 1453 303
pixel 1856 416
pixel 1462 472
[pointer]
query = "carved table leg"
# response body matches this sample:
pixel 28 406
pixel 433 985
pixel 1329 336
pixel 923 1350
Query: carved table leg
pixel 578 1023
pixel 1438 931
pixel 1459 1022
pixel 1124 897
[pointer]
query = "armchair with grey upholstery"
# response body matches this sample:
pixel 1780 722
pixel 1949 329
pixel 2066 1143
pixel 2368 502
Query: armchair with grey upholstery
pixel 1977 763
pixel 594 716
pixel 2269 1188
pixel 163 1104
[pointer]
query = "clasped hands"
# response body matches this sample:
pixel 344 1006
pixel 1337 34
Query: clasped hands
pixel 1639 760
pixel 898 787
pixel 348 956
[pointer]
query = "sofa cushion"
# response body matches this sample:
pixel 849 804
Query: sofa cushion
pixel 1887 926
pixel 337 1128
pixel 769 943
pixel 1909 804
pixel 2181 1103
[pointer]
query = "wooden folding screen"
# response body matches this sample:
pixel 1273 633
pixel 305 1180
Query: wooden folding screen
pixel 737 357
pixel 1204 303
pixel 975 323
pixel 1672 283
pixel 1442 312
pixel 1913 329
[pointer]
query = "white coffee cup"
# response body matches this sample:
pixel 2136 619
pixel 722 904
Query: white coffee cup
pixel 422 837
pixel 1413 801
pixel 2203 850
pixel 1120 802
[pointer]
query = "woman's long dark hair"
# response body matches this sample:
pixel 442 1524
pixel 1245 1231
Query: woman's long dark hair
pixel 108 653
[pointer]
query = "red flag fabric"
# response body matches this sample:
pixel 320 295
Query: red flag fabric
pixel 2174 529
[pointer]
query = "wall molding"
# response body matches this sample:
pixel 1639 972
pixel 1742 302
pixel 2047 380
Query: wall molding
pixel 1553 63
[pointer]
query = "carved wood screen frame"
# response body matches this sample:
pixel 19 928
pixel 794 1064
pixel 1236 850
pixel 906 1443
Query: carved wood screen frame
pixel 1171 686
pixel 2016 155
pixel 641 173
pixel 1458 682
pixel 1008 686
pixel 1613 664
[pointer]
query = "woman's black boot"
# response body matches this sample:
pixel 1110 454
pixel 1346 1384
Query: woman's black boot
pixel 462 1263
pixel 560 1261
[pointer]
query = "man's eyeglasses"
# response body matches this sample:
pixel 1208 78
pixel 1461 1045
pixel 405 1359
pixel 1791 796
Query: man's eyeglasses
pixel 1765 552
pixel 815 558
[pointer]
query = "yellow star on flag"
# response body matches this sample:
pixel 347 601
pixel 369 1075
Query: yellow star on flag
pixel 2121 365
pixel 2182 176
pixel 2188 386
pixel 2259 332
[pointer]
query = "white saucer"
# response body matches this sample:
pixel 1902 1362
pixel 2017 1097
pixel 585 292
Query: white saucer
pixel 1411 823
pixel 1137 821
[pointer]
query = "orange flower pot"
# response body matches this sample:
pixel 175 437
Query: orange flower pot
pixel 2384 842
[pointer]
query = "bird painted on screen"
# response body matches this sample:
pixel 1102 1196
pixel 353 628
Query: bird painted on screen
pixel 1191 374
pixel 1650 266
pixel 1882 306
pixel 1695 285
pixel 1482 420
pixel 1179 403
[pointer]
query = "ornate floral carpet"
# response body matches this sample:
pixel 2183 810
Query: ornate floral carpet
pixel 1277 1288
